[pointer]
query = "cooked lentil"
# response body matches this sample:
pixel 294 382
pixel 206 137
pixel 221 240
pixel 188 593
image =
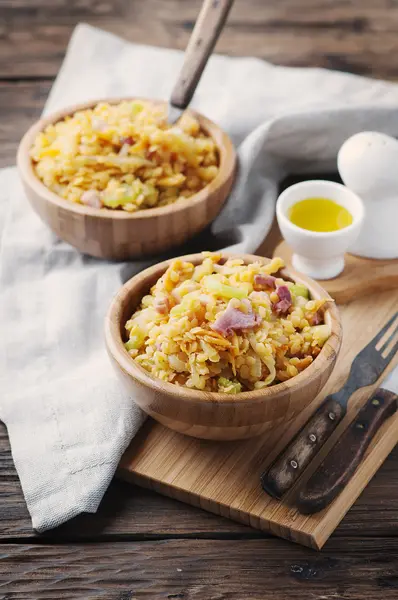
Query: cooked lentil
pixel 226 327
pixel 125 156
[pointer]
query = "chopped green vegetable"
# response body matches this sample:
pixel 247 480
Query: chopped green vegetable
pixel 132 344
pixel 227 386
pixel 137 193
pixel 134 161
pixel 214 285
pixel 321 333
pixel 188 304
pixel 297 289
pixel 137 337
pixel 136 108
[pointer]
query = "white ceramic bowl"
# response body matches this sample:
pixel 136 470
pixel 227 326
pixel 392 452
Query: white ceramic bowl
pixel 319 255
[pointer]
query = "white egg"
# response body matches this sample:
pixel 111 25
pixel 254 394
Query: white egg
pixel 368 165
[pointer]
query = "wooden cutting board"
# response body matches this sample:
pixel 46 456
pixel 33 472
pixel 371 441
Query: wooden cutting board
pixel 361 276
pixel 224 477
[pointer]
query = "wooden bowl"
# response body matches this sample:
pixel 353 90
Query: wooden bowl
pixel 116 234
pixel 213 415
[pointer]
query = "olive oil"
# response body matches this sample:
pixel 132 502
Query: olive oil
pixel 319 214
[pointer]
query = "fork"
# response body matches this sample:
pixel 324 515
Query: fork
pixel 366 368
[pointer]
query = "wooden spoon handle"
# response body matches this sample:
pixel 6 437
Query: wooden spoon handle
pixel 208 27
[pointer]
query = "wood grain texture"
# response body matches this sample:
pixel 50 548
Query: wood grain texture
pixel 291 464
pixel 117 234
pixel 360 561
pixel 263 569
pixel 355 279
pixel 126 512
pixel 225 478
pixel 213 415
pixel 342 461
pixel 358 36
pixel 355 35
pixel 129 512
pixel 20 105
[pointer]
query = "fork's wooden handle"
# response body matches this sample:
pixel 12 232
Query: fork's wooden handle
pixel 289 465
pixel 340 464
pixel 208 27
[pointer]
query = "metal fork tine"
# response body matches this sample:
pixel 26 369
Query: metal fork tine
pixel 370 363
pixel 393 351
pixel 382 331
pixel 390 337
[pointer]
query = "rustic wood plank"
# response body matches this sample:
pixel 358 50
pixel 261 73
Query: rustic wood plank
pixel 225 478
pixel 354 36
pixel 201 570
pixel 20 105
pixel 357 35
pixel 22 102
pixel 126 510
pixel 130 512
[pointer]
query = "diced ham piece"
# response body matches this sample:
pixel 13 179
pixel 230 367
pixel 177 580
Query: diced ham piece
pixel 316 318
pixel 127 140
pixel 234 319
pixel 282 307
pixel 284 293
pixel 262 282
pixel 285 300
pixel 162 305
pixel 91 198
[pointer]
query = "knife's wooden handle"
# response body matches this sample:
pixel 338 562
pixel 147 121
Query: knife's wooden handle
pixel 341 462
pixel 289 465
pixel 208 27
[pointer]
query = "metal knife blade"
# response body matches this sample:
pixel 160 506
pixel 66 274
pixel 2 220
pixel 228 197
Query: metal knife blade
pixel 337 468
pixel 390 383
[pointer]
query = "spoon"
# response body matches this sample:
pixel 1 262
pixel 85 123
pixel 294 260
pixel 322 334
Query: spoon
pixel 208 27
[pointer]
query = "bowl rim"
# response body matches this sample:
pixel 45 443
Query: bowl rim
pixel 282 212
pixel 226 151
pixel 117 351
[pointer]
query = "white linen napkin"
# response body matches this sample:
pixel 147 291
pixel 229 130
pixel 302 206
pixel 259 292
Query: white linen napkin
pixel 68 420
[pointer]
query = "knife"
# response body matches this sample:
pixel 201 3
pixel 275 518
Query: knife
pixel 336 470
pixel 208 27
pixel 367 367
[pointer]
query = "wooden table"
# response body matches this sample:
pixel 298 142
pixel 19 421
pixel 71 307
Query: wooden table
pixel 141 545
